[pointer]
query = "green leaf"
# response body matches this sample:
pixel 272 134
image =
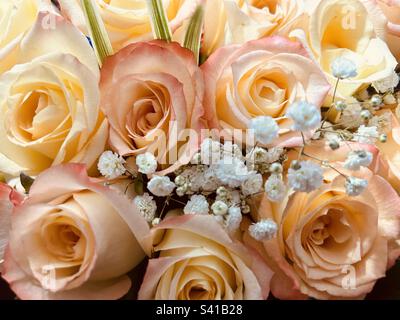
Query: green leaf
pixel 159 21
pixel 194 32
pixel 26 181
pixel 97 30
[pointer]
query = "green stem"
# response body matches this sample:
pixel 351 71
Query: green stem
pixel 193 34
pixel 97 31
pixel 159 21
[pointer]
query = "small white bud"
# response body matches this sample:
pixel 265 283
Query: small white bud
pixel 155 222
pixel 366 114
pixel 276 167
pixel 263 230
pixel 383 138
pixel 340 105
pixel 219 208
pixel 376 100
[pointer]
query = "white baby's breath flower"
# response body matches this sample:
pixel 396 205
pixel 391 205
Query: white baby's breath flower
pixel 111 165
pixel 274 154
pixel 306 178
pixel 234 219
pixel 219 208
pixel 210 180
pixel 275 188
pixel 197 204
pixel 265 129
pixel 306 116
pixel 147 206
pixel 357 159
pixel 161 186
pixel 367 135
pixel 387 84
pixel 210 151
pixel 252 184
pixel 264 230
pixel 230 149
pixel 355 186
pixel 231 171
pixel 343 68
pixel 146 163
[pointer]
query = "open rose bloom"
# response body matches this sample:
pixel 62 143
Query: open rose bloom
pixel 199 149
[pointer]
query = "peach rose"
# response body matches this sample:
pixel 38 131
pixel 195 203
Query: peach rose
pixel 350 29
pixel 151 92
pixel 391 10
pixel 73 238
pixel 49 102
pixel 262 77
pixel 128 21
pixel 8 199
pixel 239 21
pixel 389 164
pixel 199 261
pixel 331 245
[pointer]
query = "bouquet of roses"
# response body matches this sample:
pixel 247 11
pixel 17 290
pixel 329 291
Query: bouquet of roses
pixel 233 148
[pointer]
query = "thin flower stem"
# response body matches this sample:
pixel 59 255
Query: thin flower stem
pixel 302 147
pixel 177 201
pixel 328 165
pixel 164 207
pixel 333 103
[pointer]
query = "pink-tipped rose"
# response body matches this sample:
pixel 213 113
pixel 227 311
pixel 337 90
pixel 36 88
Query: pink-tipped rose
pixel 199 261
pixel 331 245
pixel 151 92
pixel 260 78
pixel 73 238
pixel 8 199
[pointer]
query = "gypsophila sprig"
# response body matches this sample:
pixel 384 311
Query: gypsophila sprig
pixel 343 68
pixel 146 163
pixel 233 219
pixel 367 135
pixel 355 186
pixel 275 188
pixel 197 204
pixel 357 159
pixel 210 151
pixel 147 206
pixel 305 116
pixel 306 178
pixel 263 230
pixel 252 185
pixel 161 186
pixel 265 129
pixel 111 165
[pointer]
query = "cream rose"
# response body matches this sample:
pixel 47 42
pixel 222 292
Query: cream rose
pixel 331 245
pixel 350 29
pixel 151 93
pixel 16 17
pixel 391 10
pixel 73 238
pixel 128 21
pixel 49 102
pixel 199 261
pixel 239 21
pixel 261 78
